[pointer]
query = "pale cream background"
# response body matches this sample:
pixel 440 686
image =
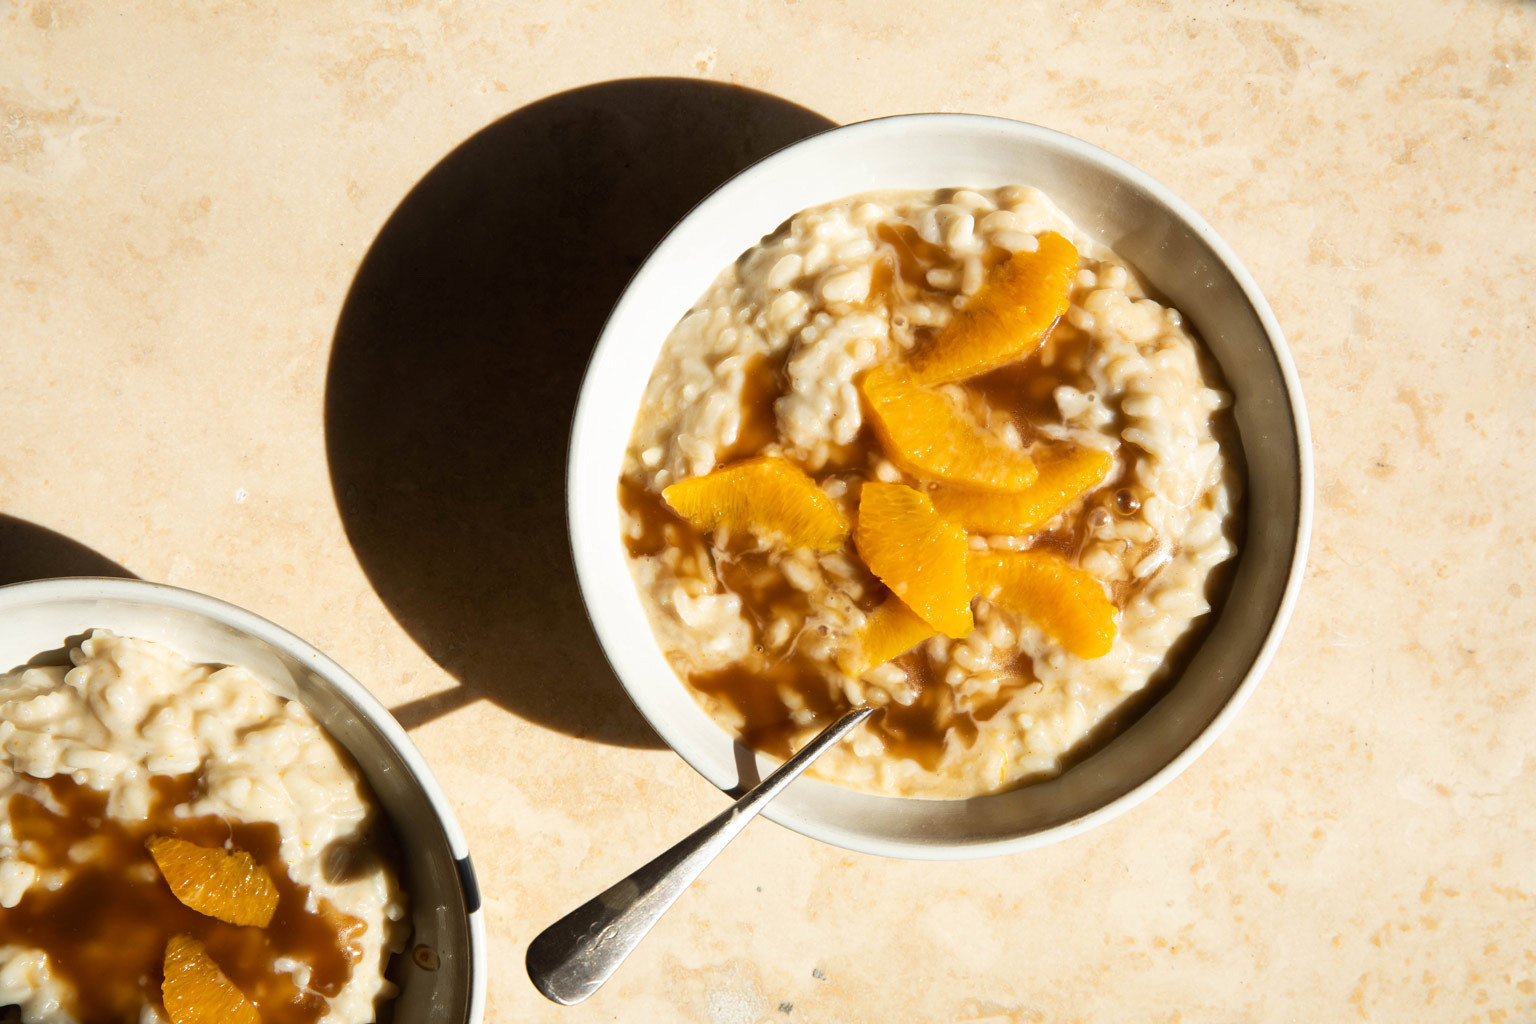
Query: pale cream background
pixel 188 191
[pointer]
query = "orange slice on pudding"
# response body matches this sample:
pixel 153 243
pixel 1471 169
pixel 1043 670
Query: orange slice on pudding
pixel 1006 319
pixel 766 496
pixel 1065 476
pixel 916 552
pixel 889 631
pixel 195 991
pixel 927 434
pixel 1064 601
pixel 224 884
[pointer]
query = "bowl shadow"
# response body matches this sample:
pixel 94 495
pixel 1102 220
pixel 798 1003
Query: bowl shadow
pixel 456 364
pixel 32 552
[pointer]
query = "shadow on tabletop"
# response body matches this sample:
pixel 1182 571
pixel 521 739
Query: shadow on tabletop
pixel 31 552
pixel 456 364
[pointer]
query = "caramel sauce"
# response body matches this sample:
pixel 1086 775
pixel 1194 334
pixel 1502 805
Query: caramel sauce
pixel 105 928
pixel 660 527
pixel 1026 390
pixel 881 281
pixel 759 424
pixel 754 693
pixel 858 455
pixel 914 254
pixel 766 596
pixel 753 687
pixel 1023 390
pixel 1066 542
pixel 918 731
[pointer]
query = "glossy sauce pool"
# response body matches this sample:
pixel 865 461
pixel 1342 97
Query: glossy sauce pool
pixel 105 928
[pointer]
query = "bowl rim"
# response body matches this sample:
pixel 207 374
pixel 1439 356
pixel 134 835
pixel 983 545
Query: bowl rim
pixel 590 570
pixel 103 588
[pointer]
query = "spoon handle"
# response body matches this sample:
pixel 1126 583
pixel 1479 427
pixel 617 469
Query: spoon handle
pixel 570 959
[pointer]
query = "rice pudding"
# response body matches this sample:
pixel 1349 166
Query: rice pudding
pixel 144 801
pixel 1065 496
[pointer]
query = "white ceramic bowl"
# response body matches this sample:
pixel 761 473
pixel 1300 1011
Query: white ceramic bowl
pixel 1179 255
pixel 438 876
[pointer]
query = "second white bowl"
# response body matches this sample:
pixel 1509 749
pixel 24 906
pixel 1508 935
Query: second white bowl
pixel 437 874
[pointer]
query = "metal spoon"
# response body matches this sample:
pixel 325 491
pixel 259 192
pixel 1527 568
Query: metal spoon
pixel 571 959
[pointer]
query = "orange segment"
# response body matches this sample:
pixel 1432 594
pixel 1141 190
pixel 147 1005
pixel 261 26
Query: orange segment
pixel 1065 476
pixel 225 884
pixel 890 630
pixel 927 434
pixel 1006 318
pixel 195 991
pixel 1066 602
pixel 767 496
pixel 916 552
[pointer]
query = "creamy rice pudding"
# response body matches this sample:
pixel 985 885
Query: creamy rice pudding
pixel 832 351
pixel 133 745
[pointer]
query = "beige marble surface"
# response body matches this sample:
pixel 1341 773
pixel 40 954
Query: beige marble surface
pixel 205 383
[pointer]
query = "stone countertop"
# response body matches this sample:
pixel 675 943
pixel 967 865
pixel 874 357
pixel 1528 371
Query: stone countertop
pixel 294 300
